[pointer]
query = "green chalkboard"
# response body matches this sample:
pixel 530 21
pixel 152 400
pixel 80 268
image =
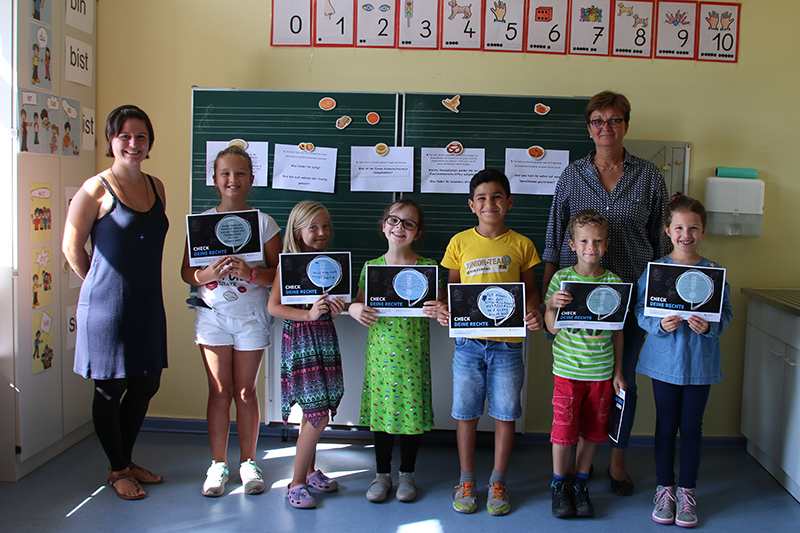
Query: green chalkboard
pixel 493 123
pixel 290 117
pixel 419 120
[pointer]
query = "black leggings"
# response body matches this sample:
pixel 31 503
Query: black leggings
pixel 409 446
pixel 118 418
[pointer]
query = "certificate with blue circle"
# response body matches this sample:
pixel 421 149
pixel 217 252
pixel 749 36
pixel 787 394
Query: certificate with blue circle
pixel 306 276
pixel 684 290
pixel 400 290
pixel 597 306
pixel 232 233
pixel 481 310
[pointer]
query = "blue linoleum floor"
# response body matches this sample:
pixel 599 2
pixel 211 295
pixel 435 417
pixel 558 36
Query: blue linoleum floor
pixel 69 493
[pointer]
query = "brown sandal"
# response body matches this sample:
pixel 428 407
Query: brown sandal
pixel 113 477
pixel 138 473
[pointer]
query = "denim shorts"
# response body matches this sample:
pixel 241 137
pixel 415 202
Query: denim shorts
pixel 484 368
pixel 244 334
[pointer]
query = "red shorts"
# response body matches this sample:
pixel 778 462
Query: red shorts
pixel 581 408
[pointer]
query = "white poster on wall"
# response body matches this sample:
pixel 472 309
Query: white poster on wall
pixel 87 141
pixel 78 61
pixel 80 14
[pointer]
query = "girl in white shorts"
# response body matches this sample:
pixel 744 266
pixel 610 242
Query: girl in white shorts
pixel 232 328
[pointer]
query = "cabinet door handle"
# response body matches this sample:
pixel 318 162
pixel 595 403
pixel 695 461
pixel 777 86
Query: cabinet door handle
pixel 776 354
pixel 790 362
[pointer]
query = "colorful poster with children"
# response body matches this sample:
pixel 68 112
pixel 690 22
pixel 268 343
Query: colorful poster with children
pixel 41 214
pixel 39 114
pixel 42 341
pixel 41 277
pixel 41 54
pixel 41 11
pixel 71 134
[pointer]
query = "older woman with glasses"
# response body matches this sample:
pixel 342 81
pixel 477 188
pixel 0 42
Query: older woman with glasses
pixel 632 194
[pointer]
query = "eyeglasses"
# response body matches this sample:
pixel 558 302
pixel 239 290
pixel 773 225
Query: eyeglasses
pixel 599 122
pixel 410 225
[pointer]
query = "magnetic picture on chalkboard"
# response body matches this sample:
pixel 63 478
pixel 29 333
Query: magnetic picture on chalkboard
pixel 684 290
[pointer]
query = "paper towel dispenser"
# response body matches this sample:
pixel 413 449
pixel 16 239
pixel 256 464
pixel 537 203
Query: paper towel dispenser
pixel 735 206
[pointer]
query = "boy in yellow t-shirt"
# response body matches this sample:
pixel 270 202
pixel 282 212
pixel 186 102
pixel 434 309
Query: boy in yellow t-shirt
pixel 493 367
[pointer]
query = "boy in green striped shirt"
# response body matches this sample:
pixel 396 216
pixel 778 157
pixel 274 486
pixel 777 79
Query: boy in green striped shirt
pixel 587 370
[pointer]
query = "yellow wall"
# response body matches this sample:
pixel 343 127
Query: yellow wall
pixel 150 52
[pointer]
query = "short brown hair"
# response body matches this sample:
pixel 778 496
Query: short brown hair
pixel 117 118
pixel 587 217
pixel 608 99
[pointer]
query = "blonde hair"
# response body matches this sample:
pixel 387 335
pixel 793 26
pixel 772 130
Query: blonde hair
pixel 301 216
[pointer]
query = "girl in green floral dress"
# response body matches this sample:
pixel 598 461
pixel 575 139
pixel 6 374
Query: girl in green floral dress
pixel 396 397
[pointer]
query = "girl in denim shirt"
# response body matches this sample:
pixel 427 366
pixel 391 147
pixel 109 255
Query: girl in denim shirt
pixel 682 357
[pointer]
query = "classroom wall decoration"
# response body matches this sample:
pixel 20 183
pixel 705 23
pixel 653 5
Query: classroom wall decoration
pixel 684 29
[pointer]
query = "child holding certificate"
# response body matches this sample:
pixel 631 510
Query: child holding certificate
pixel 587 370
pixel 232 328
pixel 683 359
pixel 396 397
pixel 311 364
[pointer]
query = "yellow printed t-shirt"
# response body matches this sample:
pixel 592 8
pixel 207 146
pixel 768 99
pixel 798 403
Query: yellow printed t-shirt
pixel 498 260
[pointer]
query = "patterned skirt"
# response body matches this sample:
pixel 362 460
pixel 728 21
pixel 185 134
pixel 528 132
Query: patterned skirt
pixel 311 369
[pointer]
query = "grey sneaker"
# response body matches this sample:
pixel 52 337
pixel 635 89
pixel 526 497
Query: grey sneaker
pixel 465 497
pixel 497 504
pixel 379 488
pixel 406 487
pixel 216 477
pixel 685 515
pixel 250 474
pixel 664 510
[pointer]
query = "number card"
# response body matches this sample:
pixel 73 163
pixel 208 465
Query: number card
pixel 600 306
pixel 418 25
pixel 505 22
pixel 334 25
pixel 291 23
pixel 462 24
pixel 675 31
pixel 633 29
pixel 213 235
pixel 547 26
pixel 590 29
pixel 684 291
pixel 376 23
pixel 718 38
pixel 306 276
pixel 487 310
pixel 400 290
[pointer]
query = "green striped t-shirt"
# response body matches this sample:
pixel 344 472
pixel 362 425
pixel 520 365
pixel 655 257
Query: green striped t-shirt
pixel 580 354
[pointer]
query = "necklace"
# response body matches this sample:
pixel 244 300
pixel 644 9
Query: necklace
pixel 610 167
pixel 128 200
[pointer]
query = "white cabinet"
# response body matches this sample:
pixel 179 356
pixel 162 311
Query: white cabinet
pixel 771 395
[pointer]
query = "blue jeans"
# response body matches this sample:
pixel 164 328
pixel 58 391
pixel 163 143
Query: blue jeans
pixel 484 368
pixel 633 338
pixel 679 406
